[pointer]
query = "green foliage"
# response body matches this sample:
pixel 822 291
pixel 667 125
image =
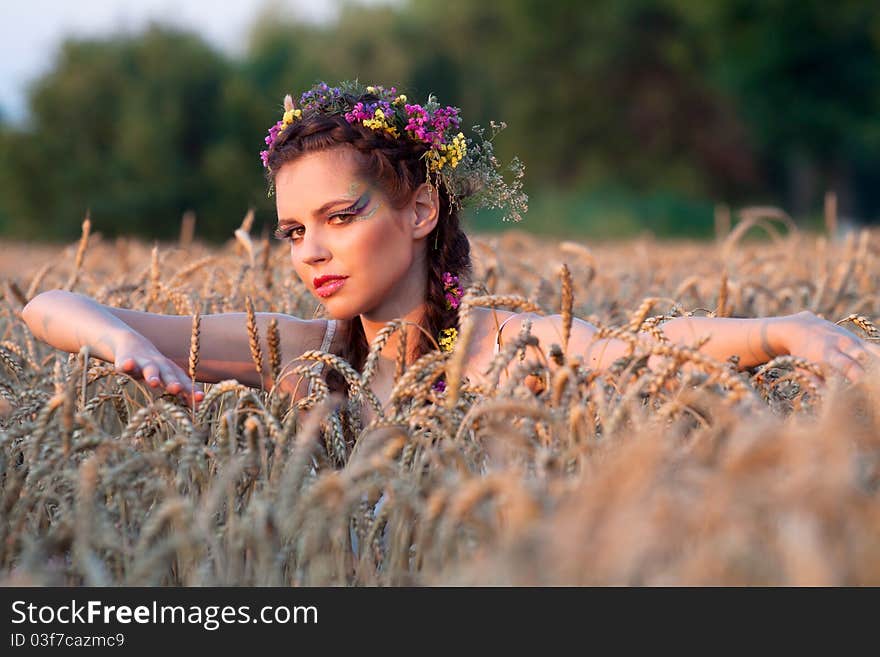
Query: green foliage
pixel 628 114
pixel 608 213
pixel 805 77
pixel 137 130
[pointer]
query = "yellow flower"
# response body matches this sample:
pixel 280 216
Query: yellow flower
pixel 380 122
pixel 400 100
pixel 291 115
pixel 458 150
pixel 447 338
pixel 450 154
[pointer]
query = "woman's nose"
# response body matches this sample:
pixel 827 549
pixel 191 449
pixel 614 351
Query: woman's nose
pixel 311 250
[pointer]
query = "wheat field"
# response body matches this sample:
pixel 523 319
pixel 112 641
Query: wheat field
pixel 693 473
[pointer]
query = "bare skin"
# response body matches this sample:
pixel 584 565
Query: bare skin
pixel 155 347
pixel 340 224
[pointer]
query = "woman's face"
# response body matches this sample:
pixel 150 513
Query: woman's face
pixel 339 224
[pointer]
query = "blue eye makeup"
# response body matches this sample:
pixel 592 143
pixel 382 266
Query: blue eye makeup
pixel 358 205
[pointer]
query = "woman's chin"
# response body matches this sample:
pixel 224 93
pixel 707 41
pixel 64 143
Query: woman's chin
pixel 339 308
pixel 339 312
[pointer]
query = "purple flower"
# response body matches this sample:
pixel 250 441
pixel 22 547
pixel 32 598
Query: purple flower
pixel 453 289
pixel 270 141
pixel 362 111
pixel 432 128
pixel 417 119
pixel 444 119
pixel 358 113
pixel 319 96
pixel 439 385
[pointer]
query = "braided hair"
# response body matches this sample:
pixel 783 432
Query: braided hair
pixel 397 166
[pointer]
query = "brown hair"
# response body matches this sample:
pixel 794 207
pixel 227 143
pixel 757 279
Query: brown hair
pixel 397 166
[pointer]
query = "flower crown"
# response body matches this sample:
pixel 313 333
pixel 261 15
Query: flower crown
pixel 468 168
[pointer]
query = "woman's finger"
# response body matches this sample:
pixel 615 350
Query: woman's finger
pixel 187 386
pixel 872 348
pixel 152 374
pixel 817 382
pixel 128 366
pixel 191 387
pixel 849 367
pixel 177 382
pixel 866 357
pixel 170 379
pixel 163 373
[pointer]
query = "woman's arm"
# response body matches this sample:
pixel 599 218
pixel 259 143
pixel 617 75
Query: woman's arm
pixel 158 344
pixel 753 341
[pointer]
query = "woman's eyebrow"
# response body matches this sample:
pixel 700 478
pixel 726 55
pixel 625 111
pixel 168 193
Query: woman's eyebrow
pixel 323 209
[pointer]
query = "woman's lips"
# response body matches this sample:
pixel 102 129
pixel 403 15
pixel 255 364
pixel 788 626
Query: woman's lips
pixel 329 287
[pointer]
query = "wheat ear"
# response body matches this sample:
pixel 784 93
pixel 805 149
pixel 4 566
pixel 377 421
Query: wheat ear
pixel 254 337
pixel 567 303
pixel 194 351
pixel 274 340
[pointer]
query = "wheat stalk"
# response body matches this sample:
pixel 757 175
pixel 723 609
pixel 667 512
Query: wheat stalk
pixel 254 338
pixel 80 252
pixel 155 285
pixel 566 304
pixel 192 268
pixel 863 323
pixel 193 360
pixel 38 278
pixel 187 229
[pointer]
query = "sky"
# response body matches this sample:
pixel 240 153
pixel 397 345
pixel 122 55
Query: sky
pixel 32 30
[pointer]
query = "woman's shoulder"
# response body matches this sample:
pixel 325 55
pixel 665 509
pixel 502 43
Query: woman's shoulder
pixel 504 322
pixel 491 326
pixel 495 328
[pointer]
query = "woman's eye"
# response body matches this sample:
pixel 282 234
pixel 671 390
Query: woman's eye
pixel 288 233
pixel 293 233
pixel 345 216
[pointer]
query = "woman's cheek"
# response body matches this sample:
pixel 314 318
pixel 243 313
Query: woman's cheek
pixel 373 244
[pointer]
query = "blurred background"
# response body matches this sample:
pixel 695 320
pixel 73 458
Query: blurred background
pixel 631 116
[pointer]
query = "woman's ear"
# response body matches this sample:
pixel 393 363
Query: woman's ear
pixel 426 210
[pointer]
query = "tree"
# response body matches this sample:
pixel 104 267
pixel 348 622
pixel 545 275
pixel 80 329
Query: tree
pixel 806 80
pixel 138 130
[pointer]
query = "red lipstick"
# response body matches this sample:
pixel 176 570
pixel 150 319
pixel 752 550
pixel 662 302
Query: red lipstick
pixel 328 284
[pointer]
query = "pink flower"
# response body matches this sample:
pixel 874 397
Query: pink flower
pixel 358 113
pixel 452 288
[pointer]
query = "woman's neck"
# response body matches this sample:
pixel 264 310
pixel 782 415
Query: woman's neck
pixel 372 325
pixel 406 301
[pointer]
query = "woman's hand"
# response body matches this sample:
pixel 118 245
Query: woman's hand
pixel 138 357
pixel 817 340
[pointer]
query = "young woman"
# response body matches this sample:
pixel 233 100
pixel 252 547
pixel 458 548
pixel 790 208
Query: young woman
pixel 368 190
